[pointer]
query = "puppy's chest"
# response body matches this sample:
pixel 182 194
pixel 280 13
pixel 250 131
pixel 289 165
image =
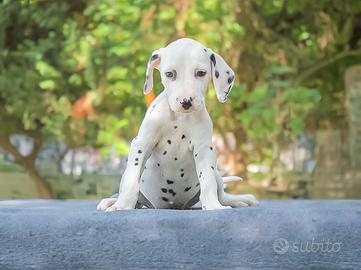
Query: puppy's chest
pixel 175 145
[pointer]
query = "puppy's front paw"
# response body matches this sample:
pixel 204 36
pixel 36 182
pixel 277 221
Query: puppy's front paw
pixel 106 203
pixel 214 206
pixel 119 205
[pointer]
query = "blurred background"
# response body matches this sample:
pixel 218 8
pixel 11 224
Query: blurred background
pixel 72 73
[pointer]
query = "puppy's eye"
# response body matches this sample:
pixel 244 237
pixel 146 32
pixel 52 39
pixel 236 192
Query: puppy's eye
pixel 201 73
pixel 171 74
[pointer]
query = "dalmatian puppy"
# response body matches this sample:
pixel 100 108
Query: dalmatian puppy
pixel 172 162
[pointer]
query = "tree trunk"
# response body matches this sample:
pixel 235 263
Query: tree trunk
pixel 43 187
pixel 60 156
pixel 28 163
pixel 249 63
pixel 241 162
pixel 234 155
pixel 353 99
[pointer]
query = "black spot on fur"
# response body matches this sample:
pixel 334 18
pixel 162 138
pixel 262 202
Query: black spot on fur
pixel 165 152
pixel 169 182
pixel 164 190
pixel 154 56
pixel 136 164
pixel 204 50
pixel 145 167
pixel 182 174
pixel 200 174
pixel 175 127
pixel 229 89
pixel 211 147
pixel 216 73
pixel 136 159
pixel 212 167
pixel 140 151
pixel 213 59
pixel 228 72
pixel 190 142
pixel 183 136
pixel 158 164
pixel 171 191
pixel 175 158
pixel 182 170
pixel 230 79
pixel 187 188
pixel 165 199
pixel 197 185
pixel 195 155
pixel 169 142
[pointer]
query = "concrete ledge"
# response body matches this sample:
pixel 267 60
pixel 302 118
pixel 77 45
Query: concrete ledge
pixel 38 234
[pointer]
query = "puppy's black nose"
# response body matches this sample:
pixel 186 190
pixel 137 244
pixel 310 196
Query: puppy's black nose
pixel 186 103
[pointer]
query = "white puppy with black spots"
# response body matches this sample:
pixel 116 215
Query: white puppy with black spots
pixel 172 162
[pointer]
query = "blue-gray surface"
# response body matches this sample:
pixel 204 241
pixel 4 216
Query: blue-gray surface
pixel 40 234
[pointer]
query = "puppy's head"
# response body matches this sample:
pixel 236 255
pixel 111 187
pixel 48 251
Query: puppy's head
pixel 186 68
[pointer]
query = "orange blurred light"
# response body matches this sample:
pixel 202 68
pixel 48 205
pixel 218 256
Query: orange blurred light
pixel 149 98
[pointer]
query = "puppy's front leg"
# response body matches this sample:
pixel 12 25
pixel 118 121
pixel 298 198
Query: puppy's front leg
pixel 140 150
pixel 129 184
pixel 205 159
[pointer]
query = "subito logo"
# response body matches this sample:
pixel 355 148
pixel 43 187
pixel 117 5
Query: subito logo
pixel 281 246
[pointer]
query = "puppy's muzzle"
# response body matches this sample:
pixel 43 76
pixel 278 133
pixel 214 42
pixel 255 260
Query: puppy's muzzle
pixel 186 103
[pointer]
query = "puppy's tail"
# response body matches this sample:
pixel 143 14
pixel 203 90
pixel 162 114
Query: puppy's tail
pixel 228 179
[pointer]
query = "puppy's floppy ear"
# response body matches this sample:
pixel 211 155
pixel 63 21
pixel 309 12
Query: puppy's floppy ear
pixel 222 76
pixel 154 62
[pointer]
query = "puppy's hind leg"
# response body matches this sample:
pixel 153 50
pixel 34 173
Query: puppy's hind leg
pixel 243 200
pixel 227 199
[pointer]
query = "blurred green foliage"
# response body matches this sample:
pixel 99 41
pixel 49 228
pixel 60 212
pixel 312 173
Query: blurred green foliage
pixel 286 54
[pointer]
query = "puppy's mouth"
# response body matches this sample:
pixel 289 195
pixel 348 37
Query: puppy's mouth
pixel 182 110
